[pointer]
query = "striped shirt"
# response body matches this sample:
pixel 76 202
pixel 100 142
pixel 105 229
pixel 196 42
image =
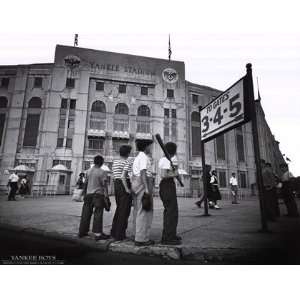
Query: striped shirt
pixel 120 165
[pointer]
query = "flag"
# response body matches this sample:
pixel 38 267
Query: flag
pixel 170 51
pixel 76 40
pixel 287 159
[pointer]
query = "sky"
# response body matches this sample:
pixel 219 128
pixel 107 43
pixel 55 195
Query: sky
pixel 215 39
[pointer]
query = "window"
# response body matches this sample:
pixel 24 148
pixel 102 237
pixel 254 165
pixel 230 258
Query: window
pixel 222 179
pixel 143 111
pixel 242 179
pixel 240 145
pixel 5 82
pixel 144 91
pixel 73 104
pixel 174 130
pixel 70 83
pixel 2 122
pixel 99 86
pixel 121 119
pixel 121 109
pixel 220 145
pixel 64 103
pixel 35 102
pixel 170 93
pixel 195 99
pixel 196 140
pixel 166 113
pixel 38 82
pixel 62 122
pixel 96 143
pixel 122 89
pixel 71 124
pixel 143 119
pixel 31 130
pixel 69 143
pixel 98 116
pixel 3 102
pixel 166 130
pixel 60 142
pixel 61 179
pixel 174 114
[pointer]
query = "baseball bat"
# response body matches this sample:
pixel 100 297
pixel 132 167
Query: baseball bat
pixel 167 155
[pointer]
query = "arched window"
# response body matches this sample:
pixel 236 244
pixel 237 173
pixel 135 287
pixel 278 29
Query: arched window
pixel 3 102
pixel 32 122
pixel 121 109
pixel 143 111
pixel 35 102
pixel 98 106
pixel 143 119
pixel 121 117
pixel 196 139
pixel 98 116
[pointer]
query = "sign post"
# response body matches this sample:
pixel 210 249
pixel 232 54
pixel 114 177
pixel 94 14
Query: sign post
pixel 250 96
pixel 204 173
pixel 231 109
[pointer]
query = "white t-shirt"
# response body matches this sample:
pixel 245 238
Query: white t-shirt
pixel 13 178
pixel 141 162
pixel 164 163
pixel 233 181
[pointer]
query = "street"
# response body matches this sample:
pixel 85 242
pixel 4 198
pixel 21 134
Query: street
pixel 47 226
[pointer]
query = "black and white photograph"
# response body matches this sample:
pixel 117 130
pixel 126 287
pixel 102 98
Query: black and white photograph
pixel 149 133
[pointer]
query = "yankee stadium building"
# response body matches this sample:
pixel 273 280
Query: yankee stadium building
pixel 55 117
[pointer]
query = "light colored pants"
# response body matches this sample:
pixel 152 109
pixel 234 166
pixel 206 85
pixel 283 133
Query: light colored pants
pixel 142 220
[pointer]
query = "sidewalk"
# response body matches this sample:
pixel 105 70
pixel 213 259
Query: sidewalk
pixel 229 235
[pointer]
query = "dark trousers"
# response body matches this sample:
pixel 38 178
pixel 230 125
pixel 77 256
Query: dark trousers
pixel 271 202
pixel 167 193
pixel 13 190
pixel 93 203
pixel 120 220
pixel 289 200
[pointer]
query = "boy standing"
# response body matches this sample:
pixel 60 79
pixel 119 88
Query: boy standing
pixel 167 193
pixel 94 201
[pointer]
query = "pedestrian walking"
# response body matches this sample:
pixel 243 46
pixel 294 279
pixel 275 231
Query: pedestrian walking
pixel 142 188
pixel 209 191
pixel 13 186
pixel 24 186
pixel 269 191
pixel 234 188
pixel 120 169
pixel 287 193
pixel 78 191
pixel 167 193
pixel 215 192
pixel 95 200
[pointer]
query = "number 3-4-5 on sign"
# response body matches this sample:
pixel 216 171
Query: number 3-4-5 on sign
pixel 224 112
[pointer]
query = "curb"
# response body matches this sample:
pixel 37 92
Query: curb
pixel 197 255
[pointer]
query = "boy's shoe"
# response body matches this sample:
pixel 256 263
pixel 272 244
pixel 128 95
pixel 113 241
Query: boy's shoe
pixel 217 207
pixel 174 242
pixel 140 244
pixel 103 236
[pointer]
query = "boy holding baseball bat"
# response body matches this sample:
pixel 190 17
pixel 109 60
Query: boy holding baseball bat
pixel 167 192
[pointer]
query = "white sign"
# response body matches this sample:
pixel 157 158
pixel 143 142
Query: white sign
pixel 224 112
